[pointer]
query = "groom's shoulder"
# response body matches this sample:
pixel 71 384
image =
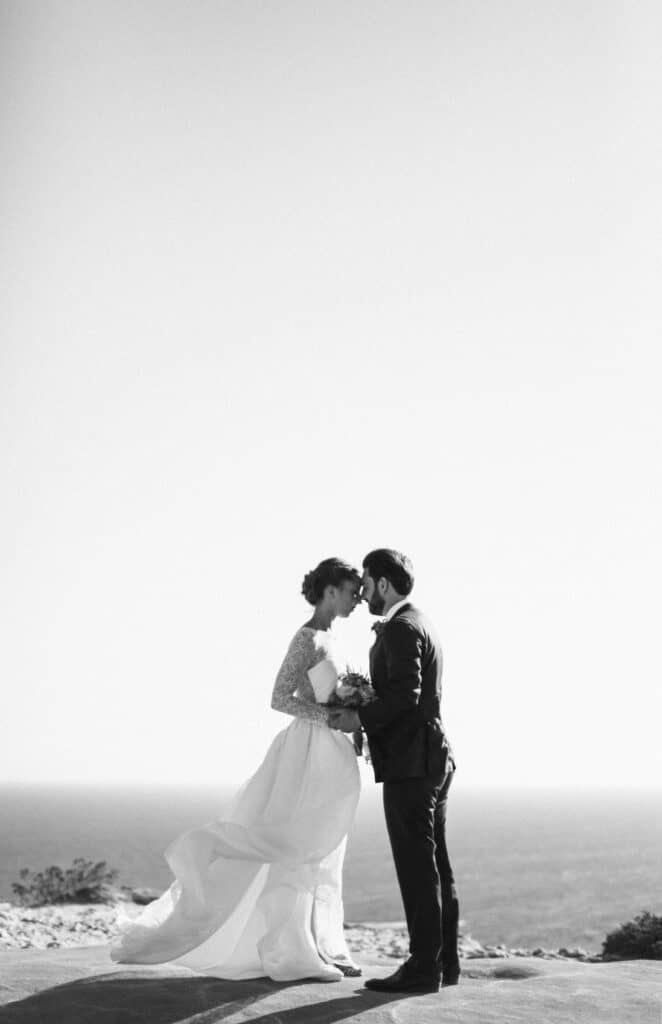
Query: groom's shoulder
pixel 410 617
pixel 416 619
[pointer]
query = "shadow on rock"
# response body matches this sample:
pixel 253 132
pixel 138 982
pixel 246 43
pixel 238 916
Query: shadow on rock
pixel 124 998
pixel 330 1011
pixel 514 972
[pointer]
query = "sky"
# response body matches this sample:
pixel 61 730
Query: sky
pixel 290 280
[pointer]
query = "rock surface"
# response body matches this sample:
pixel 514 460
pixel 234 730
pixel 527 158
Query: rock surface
pixel 67 925
pixel 51 927
pixel 82 986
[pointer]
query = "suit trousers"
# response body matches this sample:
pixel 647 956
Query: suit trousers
pixel 415 811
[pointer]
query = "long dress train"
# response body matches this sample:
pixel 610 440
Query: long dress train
pixel 259 892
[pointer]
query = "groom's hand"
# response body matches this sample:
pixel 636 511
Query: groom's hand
pixel 344 719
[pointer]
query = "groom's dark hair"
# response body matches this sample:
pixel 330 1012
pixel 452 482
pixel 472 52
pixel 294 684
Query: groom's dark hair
pixel 393 566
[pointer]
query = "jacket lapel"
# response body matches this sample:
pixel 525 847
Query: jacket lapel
pixel 376 646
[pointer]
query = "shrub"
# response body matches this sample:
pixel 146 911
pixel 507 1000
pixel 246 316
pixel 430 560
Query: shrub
pixel 640 939
pixel 83 882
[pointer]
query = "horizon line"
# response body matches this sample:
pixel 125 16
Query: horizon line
pixel 495 787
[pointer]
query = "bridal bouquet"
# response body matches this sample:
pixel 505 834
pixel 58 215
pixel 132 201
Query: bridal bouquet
pixel 350 689
pixel 353 690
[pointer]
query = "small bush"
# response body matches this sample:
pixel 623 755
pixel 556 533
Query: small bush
pixel 83 882
pixel 640 939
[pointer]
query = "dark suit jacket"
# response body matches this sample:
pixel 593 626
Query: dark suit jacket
pixel 403 726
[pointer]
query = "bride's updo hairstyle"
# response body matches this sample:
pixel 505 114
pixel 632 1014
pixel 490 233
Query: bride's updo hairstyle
pixel 329 573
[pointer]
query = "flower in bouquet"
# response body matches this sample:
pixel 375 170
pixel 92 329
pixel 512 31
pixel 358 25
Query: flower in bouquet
pixel 353 690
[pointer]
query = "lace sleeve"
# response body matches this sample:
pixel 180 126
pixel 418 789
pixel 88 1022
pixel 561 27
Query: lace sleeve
pixel 301 655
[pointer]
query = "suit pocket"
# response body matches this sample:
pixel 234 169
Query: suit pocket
pixel 436 749
pixel 406 755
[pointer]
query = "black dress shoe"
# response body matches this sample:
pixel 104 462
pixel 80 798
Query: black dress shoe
pixel 450 978
pixel 406 979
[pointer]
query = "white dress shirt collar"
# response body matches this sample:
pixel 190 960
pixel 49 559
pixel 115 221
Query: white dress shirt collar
pixel 394 608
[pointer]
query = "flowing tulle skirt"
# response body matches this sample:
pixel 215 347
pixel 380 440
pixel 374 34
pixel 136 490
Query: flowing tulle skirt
pixel 259 892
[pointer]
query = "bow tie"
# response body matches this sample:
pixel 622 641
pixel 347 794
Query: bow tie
pixel 378 627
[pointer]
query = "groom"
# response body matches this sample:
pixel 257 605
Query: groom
pixel 412 757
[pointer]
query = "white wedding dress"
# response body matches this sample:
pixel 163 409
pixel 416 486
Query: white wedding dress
pixel 259 892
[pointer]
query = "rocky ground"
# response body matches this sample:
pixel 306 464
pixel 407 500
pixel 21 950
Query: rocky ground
pixel 82 986
pixel 54 927
pixel 69 925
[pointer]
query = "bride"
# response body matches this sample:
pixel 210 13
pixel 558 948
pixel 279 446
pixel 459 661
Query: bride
pixel 259 892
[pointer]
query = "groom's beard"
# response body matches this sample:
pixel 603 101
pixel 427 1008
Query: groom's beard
pixel 376 605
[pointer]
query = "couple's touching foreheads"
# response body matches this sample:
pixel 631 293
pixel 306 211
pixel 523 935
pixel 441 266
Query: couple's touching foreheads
pixel 258 892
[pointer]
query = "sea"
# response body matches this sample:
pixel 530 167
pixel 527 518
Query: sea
pixel 533 867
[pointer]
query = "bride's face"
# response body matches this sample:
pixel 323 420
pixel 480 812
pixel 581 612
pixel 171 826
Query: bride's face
pixel 347 597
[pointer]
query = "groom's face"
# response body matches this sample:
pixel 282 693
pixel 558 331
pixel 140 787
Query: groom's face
pixel 371 595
